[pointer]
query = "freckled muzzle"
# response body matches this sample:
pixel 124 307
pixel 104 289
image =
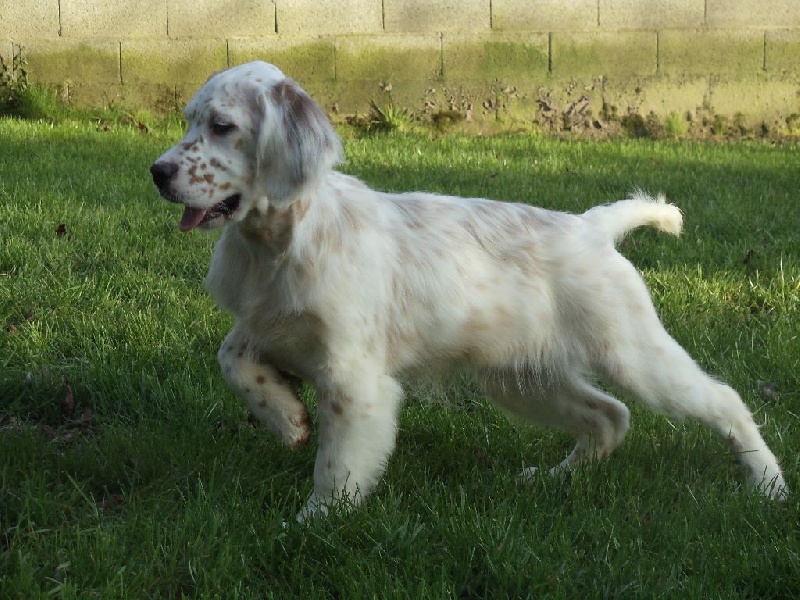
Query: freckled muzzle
pixel 163 173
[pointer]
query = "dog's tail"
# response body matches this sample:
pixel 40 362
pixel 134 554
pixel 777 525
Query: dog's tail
pixel 637 211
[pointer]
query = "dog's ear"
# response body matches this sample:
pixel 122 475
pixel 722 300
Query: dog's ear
pixel 297 143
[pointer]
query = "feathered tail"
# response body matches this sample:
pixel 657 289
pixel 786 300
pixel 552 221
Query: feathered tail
pixel 637 211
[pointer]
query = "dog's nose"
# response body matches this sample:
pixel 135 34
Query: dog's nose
pixel 162 172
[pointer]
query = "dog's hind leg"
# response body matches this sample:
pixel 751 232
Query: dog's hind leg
pixel 270 397
pixel 599 421
pixel 641 357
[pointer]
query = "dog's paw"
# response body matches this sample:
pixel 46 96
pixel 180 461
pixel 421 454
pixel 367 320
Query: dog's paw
pixel 312 509
pixel 528 474
pixel 774 489
pixel 298 431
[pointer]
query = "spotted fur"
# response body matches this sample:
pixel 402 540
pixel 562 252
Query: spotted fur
pixel 346 288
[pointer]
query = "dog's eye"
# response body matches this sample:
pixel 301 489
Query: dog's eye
pixel 221 127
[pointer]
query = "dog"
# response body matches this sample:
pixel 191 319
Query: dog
pixel 347 288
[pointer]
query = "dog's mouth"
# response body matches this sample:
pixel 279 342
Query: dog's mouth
pixel 194 217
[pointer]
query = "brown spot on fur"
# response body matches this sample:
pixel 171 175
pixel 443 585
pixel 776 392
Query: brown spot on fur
pixel 261 379
pixel 209 177
pixel 273 229
pixel 736 446
pixel 262 404
pixel 301 208
pixel 215 163
pixel 476 324
pixel 337 408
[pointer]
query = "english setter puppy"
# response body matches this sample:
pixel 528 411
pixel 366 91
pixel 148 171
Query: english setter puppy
pixel 346 287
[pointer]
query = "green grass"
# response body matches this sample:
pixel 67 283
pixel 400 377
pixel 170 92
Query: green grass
pixel 150 483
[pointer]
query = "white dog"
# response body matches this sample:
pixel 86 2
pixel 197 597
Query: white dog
pixel 346 287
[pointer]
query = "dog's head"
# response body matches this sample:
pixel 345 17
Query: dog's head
pixel 254 139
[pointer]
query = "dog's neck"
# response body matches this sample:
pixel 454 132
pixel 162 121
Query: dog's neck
pixel 274 228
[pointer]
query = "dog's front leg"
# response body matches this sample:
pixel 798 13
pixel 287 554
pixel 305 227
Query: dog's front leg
pixel 267 393
pixel 357 431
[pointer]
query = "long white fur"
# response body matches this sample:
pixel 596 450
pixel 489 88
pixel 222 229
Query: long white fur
pixel 346 288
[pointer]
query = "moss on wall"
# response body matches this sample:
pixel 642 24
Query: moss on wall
pixel 55 62
pixel 556 81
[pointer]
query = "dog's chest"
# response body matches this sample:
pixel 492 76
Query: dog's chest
pixel 238 278
pixel 279 328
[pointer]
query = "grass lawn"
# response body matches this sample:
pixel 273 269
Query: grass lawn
pixel 127 470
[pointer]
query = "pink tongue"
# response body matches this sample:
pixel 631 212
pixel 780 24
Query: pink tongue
pixel 191 218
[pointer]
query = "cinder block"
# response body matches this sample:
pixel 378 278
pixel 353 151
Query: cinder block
pixel 632 53
pixel 420 16
pixel 496 56
pixel 660 95
pixel 172 62
pixel 743 14
pixel 215 19
pixel 59 61
pixel 301 17
pixel 711 52
pixel 622 15
pixel 28 19
pixel 95 94
pixel 162 98
pixel 782 50
pixel 544 15
pixel 301 58
pixel 388 58
pixel 386 69
pixel 764 98
pixel 118 20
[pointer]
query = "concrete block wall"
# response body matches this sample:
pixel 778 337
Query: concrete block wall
pixel 513 62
